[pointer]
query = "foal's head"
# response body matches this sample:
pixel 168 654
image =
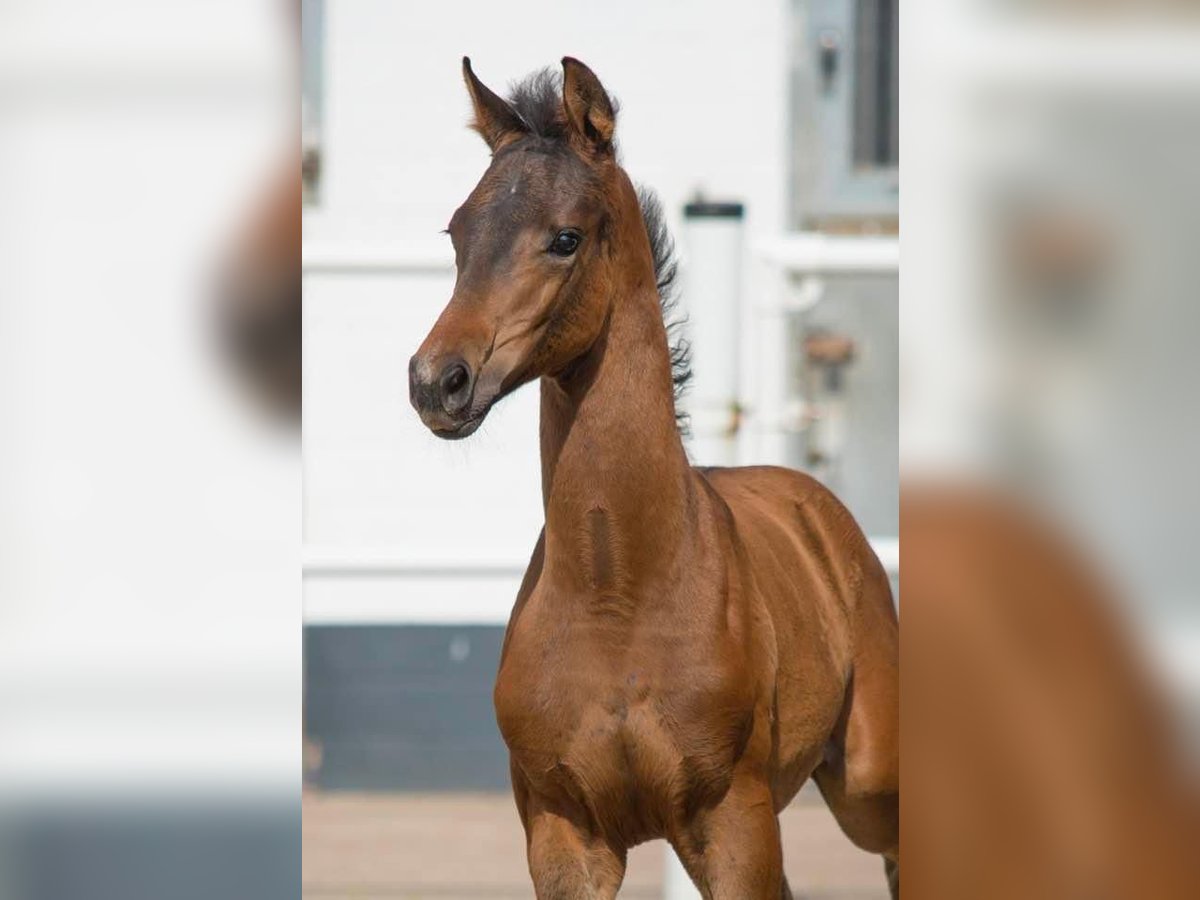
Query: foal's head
pixel 537 245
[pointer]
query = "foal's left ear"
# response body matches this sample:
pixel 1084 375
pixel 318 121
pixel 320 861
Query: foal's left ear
pixel 588 107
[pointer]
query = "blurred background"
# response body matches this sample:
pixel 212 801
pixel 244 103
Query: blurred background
pixel 1052 630
pixel 769 131
pixel 1053 285
pixel 149 506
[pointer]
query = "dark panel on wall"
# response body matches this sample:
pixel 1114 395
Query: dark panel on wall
pixel 403 707
pixel 876 84
pixel 162 849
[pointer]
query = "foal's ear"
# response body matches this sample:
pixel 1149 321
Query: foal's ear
pixel 589 109
pixel 495 120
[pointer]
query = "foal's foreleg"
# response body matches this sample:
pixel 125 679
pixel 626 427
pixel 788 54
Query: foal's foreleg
pixel 567 861
pixel 733 850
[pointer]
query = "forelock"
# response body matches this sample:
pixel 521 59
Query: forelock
pixel 537 99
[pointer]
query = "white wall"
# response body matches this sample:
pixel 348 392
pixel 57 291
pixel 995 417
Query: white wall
pixel 702 87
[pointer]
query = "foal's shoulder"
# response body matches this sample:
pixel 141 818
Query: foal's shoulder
pixel 792 512
pixel 787 497
pixel 772 483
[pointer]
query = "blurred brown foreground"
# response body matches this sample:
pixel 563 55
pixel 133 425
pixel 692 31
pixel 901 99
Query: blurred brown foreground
pixel 1039 759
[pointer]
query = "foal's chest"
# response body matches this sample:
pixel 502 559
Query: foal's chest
pixel 617 726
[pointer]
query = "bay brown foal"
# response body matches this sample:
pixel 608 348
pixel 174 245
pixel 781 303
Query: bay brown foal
pixel 688 645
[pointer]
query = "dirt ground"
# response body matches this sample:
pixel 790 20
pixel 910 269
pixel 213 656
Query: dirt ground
pixel 470 846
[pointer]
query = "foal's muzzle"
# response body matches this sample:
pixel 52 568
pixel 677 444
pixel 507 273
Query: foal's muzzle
pixel 441 391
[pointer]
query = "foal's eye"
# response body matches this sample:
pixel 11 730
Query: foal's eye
pixel 565 243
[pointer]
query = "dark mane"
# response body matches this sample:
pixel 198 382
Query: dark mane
pixel 666 267
pixel 537 99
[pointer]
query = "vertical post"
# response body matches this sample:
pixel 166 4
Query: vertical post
pixel 713 246
pixel 779 412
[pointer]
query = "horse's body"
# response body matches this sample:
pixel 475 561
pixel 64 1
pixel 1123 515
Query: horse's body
pixel 697 709
pixel 688 645
pixel 261 308
pixel 260 311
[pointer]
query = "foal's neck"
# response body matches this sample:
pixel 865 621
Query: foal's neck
pixel 616 481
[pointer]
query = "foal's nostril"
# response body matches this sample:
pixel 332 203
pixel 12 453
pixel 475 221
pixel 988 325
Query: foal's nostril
pixel 455 379
pixel 455 386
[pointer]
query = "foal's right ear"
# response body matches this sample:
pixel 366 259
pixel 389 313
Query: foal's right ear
pixel 495 120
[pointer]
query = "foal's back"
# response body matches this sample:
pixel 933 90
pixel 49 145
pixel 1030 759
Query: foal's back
pixel 834 623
